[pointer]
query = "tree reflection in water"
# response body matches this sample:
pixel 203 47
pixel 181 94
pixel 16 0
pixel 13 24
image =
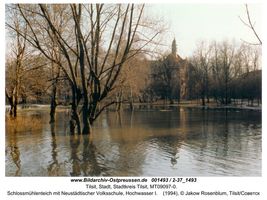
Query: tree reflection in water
pixel 85 163
pixel 54 167
pixel 15 152
pixel 146 142
pixel 74 144
pixel 90 164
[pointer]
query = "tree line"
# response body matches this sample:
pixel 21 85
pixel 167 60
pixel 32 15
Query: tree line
pixel 227 72
pixel 224 72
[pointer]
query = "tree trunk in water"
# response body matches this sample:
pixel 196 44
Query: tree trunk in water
pixel 53 106
pixel 86 124
pixel 119 101
pixel 203 100
pixel 131 99
pixel 208 99
pixel 118 106
pixel 53 103
pixel 11 110
pixel 75 121
pixel 15 103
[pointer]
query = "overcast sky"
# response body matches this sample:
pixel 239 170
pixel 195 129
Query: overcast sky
pixel 190 23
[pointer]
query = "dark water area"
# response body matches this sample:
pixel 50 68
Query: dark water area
pixel 154 141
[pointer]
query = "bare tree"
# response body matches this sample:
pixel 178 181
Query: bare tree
pixel 222 69
pixel 96 42
pixel 132 81
pixel 201 62
pixel 15 63
pixel 251 26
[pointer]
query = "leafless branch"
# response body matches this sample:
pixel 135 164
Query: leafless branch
pixel 249 24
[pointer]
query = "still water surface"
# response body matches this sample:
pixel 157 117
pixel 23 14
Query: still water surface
pixel 146 142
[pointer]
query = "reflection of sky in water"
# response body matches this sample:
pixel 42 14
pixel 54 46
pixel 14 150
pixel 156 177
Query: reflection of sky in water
pixel 170 142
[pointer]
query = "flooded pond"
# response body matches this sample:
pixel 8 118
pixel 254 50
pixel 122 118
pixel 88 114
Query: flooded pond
pixel 146 142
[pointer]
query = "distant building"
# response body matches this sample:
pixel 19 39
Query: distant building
pixel 172 77
pixel 181 69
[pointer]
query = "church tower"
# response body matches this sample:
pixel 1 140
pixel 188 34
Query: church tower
pixel 174 47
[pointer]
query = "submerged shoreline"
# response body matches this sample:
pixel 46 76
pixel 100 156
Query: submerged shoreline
pixel 157 104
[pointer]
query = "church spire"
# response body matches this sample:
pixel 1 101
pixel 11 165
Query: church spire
pixel 174 48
